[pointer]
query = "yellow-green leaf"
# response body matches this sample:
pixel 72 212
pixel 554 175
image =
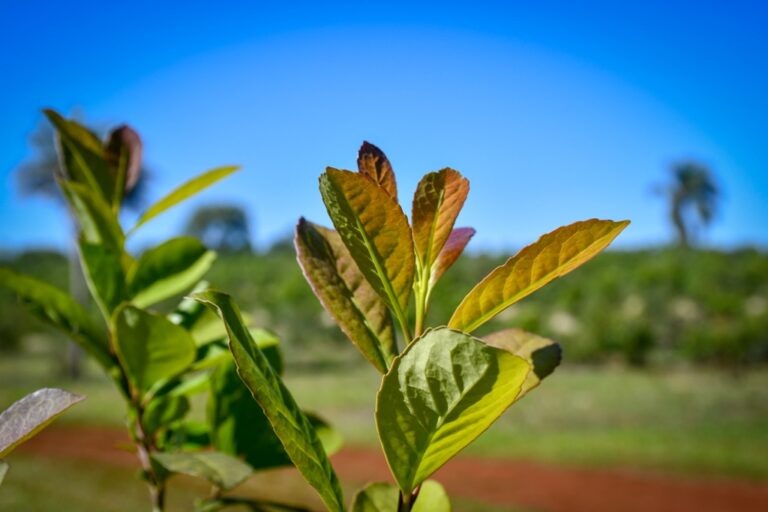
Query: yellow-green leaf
pixel 185 191
pixel 440 394
pixel 372 162
pixel 552 256
pixel 345 294
pixel 376 232
pixel 383 497
pixel 544 355
pixel 98 224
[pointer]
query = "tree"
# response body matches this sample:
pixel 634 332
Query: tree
pixel 221 227
pixel 693 198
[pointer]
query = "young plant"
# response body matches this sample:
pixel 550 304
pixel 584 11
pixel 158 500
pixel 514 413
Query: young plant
pixel 442 387
pixel 157 361
pixel 28 416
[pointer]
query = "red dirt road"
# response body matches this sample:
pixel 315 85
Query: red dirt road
pixel 502 483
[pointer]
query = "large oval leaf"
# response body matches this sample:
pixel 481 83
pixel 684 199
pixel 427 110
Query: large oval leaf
pixel 442 392
pixel 58 309
pixel 184 192
pixel 372 162
pixel 26 417
pixel 437 202
pixel 150 347
pixel 104 274
pixel 291 426
pixel 542 354
pixel 168 269
pixel 383 497
pixel 222 470
pixel 345 294
pixel 552 256
pixel 376 232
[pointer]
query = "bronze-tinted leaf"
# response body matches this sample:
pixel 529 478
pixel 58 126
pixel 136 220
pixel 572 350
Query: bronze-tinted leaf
pixel 543 354
pixel 346 295
pixel 454 246
pixel 437 202
pixel 372 162
pixel 552 256
pixel 123 150
pixel 375 230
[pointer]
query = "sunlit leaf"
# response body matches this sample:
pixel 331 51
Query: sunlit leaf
pixel 291 426
pixel 168 269
pixel 376 232
pixel 372 162
pixel 220 469
pixel 543 355
pixel 383 497
pixel 104 275
pixel 552 256
pixel 82 156
pixel 26 417
pixel 98 225
pixel 150 347
pixel 440 394
pixel 437 202
pixel 58 309
pixel 454 246
pixel 184 192
pixel 345 294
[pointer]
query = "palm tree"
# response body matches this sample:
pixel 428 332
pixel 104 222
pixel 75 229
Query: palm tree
pixel 693 198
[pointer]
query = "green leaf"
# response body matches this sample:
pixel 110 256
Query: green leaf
pixel 3 470
pixel 184 192
pixel 150 347
pixel 168 269
pixel 82 156
pixel 291 425
pixel 454 246
pixel 104 275
pixel 345 294
pixel 552 256
pixel 164 410
pixel 218 468
pixel 376 232
pixel 61 311
pixel 98 224
pixel 441 393
pixel 373 163
pixel 437 202
pixel 26 417
pixel 383 497
pixel 542 354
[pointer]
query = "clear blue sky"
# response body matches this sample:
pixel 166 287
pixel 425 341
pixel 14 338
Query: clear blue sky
pixel 556 111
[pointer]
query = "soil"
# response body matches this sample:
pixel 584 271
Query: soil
pixel 499 482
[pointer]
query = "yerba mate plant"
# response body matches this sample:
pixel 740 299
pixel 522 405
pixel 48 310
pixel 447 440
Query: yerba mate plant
pixel 157 361
pixel 441 387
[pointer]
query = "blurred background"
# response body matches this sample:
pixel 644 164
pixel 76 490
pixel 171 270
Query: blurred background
pixel 555 111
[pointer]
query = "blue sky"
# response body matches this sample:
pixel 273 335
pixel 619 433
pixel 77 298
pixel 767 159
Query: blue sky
pixel 555 111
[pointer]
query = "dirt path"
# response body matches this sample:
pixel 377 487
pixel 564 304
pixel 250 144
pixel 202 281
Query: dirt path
pixel 544 488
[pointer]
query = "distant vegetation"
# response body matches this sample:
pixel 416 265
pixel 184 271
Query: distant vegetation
pixel 654 307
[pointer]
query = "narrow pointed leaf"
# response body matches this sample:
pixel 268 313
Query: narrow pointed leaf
pixel 441 393
pixel 553 255
pixel 150 347
pixel 171 268
pixel 372 162
pixel 26 417
pixel 345 294
pixel 454 246
pixel 58 309
pixel 184 192
pixel 220 469
pixel 544 355
pixel 383 497
pixel 104 275
pixel 291 426
pixel 97 223
pixel 375 230
pixel 82 156
pixel 437 202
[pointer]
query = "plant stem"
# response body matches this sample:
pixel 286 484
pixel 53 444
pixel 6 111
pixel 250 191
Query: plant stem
pixel 406 501
pixel 145 447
